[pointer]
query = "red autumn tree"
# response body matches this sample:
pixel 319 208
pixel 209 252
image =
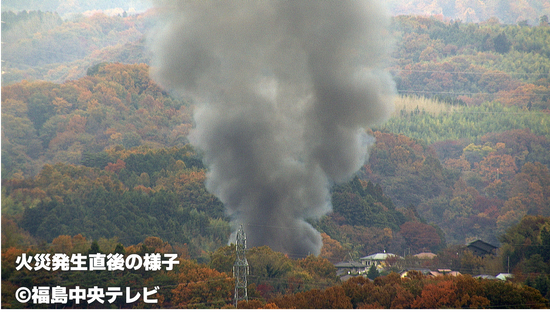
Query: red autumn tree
pixel 420 237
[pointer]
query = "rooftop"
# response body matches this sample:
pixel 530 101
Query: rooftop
pixel 378 256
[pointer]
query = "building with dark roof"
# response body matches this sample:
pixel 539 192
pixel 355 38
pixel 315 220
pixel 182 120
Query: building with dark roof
pixel 480 248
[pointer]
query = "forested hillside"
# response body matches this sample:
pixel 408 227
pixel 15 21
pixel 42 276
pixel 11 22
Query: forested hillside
pixel 95 157
pixel 41 46
pixel 115 104
pixel 457 64
pixel 510 12
pixel 473 63
pixel 507 11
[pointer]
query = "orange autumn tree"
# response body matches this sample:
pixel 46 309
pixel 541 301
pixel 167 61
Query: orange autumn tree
pixel 420 236
pixel 332 250
pixel 495 166
pixel 116 167
pixel 201 287
pixel 532 185
pixel 331 298
pixel 451 292
pixel 528 96
pixel 438 295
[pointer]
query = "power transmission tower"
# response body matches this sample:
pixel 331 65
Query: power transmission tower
pixel 240 268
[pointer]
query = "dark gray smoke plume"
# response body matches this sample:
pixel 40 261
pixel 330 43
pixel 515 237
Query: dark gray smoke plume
pixel 283 92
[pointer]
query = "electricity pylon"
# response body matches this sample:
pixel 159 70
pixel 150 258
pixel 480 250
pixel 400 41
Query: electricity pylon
pixel 240 268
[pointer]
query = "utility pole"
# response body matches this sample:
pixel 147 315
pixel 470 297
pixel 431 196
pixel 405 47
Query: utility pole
pixel 240 268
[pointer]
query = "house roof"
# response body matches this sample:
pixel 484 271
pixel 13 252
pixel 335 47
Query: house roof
pixel 504 276
pixel 445 272
pixel 378 256
pixel 485 276
pixel 349 264
pixel 423 271
pixel 429 272
pixel 480 246
pixel 484 246
pixel 425 255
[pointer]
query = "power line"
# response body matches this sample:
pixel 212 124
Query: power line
pixel 467 72
pixel 470 93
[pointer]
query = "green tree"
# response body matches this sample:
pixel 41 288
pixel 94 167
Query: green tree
pixel 502 45
pixel 373 272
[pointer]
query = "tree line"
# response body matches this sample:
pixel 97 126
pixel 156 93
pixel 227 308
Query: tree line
pixel 275 281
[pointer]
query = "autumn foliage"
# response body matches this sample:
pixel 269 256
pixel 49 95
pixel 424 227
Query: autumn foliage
pixel 417 292
pixel 96 155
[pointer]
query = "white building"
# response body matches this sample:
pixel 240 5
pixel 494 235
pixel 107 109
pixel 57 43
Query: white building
pixel 377 258
pixel 350 267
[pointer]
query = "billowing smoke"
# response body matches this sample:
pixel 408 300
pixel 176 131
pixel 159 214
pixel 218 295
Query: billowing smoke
pixel 283 91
